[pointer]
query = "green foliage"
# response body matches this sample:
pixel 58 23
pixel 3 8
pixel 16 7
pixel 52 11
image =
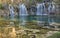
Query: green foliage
pixel 36 0
pixel 31 2
pixel 1 6
pixel 56 35
pixel 39 0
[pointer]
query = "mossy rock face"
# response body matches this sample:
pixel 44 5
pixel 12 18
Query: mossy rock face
pixel 56 35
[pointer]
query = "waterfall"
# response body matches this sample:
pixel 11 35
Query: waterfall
pixel 51 8
pixel 41 9
pixel 23 14
pixel 22 10
pixel 11 9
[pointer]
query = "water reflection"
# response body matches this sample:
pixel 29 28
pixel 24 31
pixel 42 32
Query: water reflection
pixel 40 18
pixel 44 18
pixel 31 18
pixel 22 20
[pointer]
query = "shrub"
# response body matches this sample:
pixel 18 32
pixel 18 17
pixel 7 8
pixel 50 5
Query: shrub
pixel 56 35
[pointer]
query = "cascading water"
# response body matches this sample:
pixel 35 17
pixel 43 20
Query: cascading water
pixel 22 10
pixel 41 9
pixel 41 12
pixel 11 12
pixel 22 14
pixel 51 8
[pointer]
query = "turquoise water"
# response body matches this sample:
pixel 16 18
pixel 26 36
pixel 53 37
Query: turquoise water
pixel 44 18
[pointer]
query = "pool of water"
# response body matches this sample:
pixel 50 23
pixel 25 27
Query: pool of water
pixel 44 18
